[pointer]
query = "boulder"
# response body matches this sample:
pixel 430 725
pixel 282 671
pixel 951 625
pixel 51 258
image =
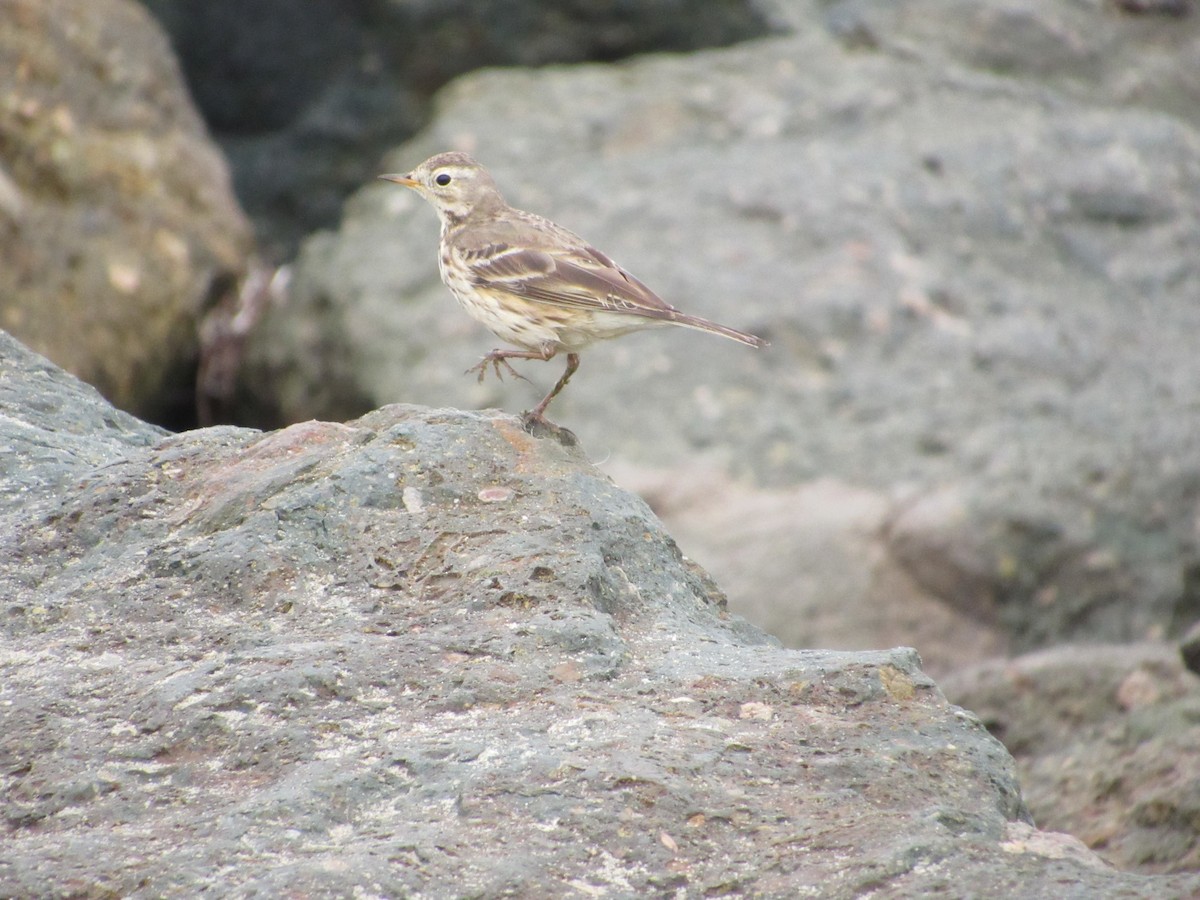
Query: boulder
pixel 118 225
pixel 425 652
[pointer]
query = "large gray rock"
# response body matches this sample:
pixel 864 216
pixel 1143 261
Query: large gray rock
pixel 979 286
pixel 425 652
pixel 118 225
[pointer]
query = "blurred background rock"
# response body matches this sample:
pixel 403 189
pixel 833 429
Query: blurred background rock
pixel 118 226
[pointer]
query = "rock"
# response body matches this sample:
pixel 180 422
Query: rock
pixel 942 252
pixel 117 222
pixel 1106 740
pixel 1094 51
pixel 305 111
pixel 426 652
pixel 55 427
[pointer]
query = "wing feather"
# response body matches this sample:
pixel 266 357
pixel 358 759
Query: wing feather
pixel 579 277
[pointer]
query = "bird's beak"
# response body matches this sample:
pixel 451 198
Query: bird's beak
pixel 407 180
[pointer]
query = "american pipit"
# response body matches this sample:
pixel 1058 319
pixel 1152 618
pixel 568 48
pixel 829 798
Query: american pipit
pixel 530 281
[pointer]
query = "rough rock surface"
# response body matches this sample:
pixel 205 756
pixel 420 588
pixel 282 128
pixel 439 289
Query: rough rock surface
pixel 979 284
pixel 118 224
pixel 1105 740
pixel 425 652
pixel 305 111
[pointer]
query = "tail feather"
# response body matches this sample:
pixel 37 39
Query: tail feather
pixel 742 337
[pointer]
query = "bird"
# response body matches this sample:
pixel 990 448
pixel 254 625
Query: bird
pixel 531 282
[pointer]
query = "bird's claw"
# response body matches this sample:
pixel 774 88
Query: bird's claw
pixel 539 426
pixel 496 361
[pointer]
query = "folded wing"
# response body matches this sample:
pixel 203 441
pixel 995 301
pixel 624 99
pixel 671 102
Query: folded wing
pixel 580 278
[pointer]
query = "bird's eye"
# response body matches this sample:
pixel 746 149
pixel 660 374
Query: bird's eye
pixel 442 179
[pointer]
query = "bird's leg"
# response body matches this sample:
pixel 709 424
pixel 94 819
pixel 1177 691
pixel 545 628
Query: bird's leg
pixel 535 414
pixel 500 358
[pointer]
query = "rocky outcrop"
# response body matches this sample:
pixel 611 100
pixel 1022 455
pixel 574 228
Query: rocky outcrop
pixel 426 652
pixel 118 226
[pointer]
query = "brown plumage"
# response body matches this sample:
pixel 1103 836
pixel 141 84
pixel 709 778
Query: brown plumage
pixel 531 282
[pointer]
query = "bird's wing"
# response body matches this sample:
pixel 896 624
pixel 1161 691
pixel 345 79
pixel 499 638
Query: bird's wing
pixel 572 274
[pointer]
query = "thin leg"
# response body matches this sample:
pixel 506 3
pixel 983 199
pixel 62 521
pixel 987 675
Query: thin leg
pixel 535 414
pixel 499 358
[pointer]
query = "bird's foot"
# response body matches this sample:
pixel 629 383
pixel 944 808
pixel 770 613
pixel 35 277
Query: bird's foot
pixel 497 359
pixel 539 426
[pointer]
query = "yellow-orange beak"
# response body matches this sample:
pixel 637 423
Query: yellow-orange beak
pixel 405 180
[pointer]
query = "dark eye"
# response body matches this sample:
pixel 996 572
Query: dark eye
pixel 442 179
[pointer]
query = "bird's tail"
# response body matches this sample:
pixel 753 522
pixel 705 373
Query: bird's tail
pixel 733 334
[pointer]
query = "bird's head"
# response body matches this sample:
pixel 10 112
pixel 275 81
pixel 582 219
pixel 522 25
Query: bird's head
pixel 454 184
